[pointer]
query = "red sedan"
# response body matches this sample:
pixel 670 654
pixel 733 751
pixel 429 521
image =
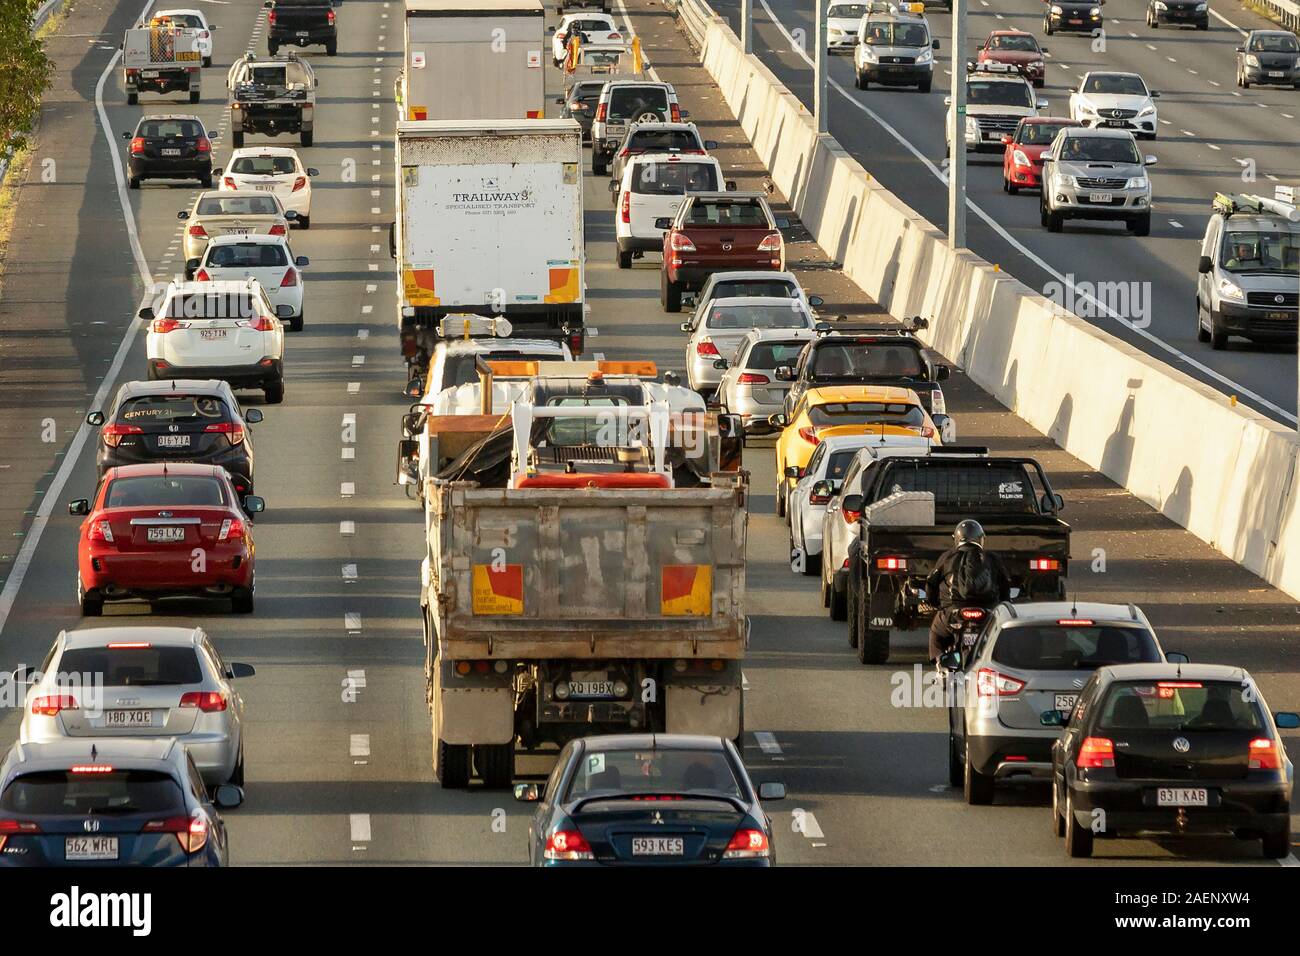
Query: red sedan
pixel 1017 49
pixel 1022 160
pixel 159 530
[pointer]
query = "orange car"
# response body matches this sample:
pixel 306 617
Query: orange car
pixel 843 410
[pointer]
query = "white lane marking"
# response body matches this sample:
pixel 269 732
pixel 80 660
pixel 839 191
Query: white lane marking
pixel 23 562
pixel 1223 19
pixel 1289 861
pixel 347 489
pixel 1188 132
pixel 349 574
pixel 367 309
pixel 363 333
pixel 1150 47
pixel 352 622
pixel 347 527
pixel 354 387
pixel 744 681
pixel 809 826
pixel 370 287
pixel 372 267
pixel 1171 59
pixel 767 742
pixel 1193 72
pixel 1175 223
pixel 1213 147
pixel 348 454
pixel 374 248
pixel 358 360
pixel 1270 176
pixel 1288 116
pixel 1099 307
pixel 1213 83
pixel 359 745
pixel 360 826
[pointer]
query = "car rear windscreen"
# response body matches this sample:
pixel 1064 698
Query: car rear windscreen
pixel 833 414
pixel 658 771
pixel 856 360
pixel 772 355
pixel 247 255
pixel 724 213
pixel 263 165
pixel 663 140
pixel 173 410
pixel 212 305
pixel 53 792
pixel 147 491
pixel 134 666
pixel 969 487
pixel 1185 706
pixel 1057 647
pixel 169 129
pixel 790 316
pixel 238 206
pixel 632 102
pixel 760 288
pixel 674 179
pixel 269 75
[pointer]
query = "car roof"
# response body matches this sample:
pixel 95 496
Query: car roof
pixel 888 446
pixel 778 300
pixel 1113 73
pixel 1038 611
pixel 642 158
pixel 1173 672
pixel 610 84
pixel 861 393
pixel 895 17
pixel 84 637
pixel 659 125
pixel 217 287
pixel 653 742
pixel 741 275
pixel 1010 33
pixel 159 468
pixel 845 442
pixel 731 196
pixel 759 335
pixel 262 151
pixel 170 386
pixel 1041 120
pixel 1095 132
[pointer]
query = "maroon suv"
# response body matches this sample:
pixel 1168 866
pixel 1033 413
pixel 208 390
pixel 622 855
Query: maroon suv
pixel 717 232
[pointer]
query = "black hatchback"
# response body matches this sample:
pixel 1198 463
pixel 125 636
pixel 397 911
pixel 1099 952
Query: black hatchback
pixel 1072 16
pixel 580 104
pixel 169 147
pixel 1171 750
pixel 177 421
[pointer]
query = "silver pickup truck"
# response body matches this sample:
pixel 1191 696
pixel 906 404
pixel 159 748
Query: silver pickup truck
pixel 271 95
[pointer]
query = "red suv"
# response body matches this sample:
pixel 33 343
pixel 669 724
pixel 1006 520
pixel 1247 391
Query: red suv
pixel 158 530
pixel 717 232
pixel 1017 49
pixel 1022 159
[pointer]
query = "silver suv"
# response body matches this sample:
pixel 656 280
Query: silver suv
pixel 1029 659
pixel 1096 174
pixel 623 103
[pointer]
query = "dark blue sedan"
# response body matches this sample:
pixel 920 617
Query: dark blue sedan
pixel 110 802
pixel 650 799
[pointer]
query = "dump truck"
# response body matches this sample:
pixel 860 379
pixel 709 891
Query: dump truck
pixel 161 59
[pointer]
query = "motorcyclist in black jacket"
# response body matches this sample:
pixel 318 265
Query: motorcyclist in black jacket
pixel 964 576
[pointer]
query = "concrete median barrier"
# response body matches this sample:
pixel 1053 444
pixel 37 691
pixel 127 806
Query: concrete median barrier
pixel 1221 470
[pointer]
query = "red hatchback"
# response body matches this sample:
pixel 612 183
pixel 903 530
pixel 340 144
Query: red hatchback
pixel 1022 160
pixel 160 530
pixel 1017 49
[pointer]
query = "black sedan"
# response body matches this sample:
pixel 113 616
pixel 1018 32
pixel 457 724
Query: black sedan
pixel 650 799
pixel 178 420
pixel 1072 16
pixel 1171 750
pixel 169 147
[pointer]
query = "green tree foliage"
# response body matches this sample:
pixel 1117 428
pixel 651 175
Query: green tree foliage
pixel 24 72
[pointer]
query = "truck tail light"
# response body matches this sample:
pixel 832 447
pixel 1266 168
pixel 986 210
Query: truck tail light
pixel 233 430
pixel 989 683
pixel 290 279
pixel 771 243
pixel 112 434
pixel 625 208
pixel 753 378
pixel 329 15
pixel 1044 564
pixel 675 112
pixel 137 145
pixel 705 348
pixel 1264 754
pixel 891 564
pixel 809 434
pixel 576 342
pixel 1096 753
pixel 681 243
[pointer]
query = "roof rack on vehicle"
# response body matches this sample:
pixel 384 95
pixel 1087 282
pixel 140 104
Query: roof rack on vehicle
pixel 1248 204
pixel 906 327
pixel 959 450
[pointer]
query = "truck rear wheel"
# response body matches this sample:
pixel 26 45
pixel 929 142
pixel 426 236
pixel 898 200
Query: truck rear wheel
pixel 305 137
pixel 671 294
pixel 272 47
pixel 451 765
pixel 495 764
pixel 839 604
pixel 332 48
pixel 237 139
pixel 132 99
pixel 194 96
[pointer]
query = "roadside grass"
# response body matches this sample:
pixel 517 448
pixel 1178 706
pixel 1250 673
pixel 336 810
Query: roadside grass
pixel 1256 7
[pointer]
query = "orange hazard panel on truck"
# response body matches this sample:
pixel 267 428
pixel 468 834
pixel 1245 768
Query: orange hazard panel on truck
pixel 498 590
pixel 417 284
pixel 686 590
pixel 564 285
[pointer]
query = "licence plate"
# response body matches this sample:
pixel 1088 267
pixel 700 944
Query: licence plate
pixel 165 534
pixel 212 333
pixel 1076 23
pixel 591 688
pixel 1099 197
pixel 265 189
pixel 149 74
pixel 658 846
pixel 128 718
pixel 171 152
pixel 1277 73
pixel 304 33
pixel 1065 702
pixel 238 232
pixel 173 441
pixel 1182 797
pixel 90 848
pixel 1281 316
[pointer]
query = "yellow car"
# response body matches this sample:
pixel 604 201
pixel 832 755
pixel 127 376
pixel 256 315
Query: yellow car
pixel 843 410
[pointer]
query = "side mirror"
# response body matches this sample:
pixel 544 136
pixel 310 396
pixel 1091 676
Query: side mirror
pixel 816 301
pixel 269 4
pixel 934 45
pixel 720 364
pixel 1286 720
pixel 710 144
pixel 301 261
pixel 823 488
pixel 785 373
pixel 950 661
pixel 1051 503
pixel 253 416
pixel 284 311
pixel 970 66
pixel 1148 160
pixel 392 239
pixel 947 429
pixel 126 134
pixel 685 113
pixel 95 418
pixel 80 506
pixel 551 30
pixel 685 327
pixel 559 100
pixel 254 504
pixel 146 313
pixel 236 671
pixel 290 215
pixel 228 796
pixel 1040 104
pixel 1205 265
pixel 771 791
pixel 793 471
pixel 730 185
pixel 528 792
pixel 851 503
pixel 664 222
pixel 192 265
pixel 778 420
pixel 613 185
pixel 183 214
pixel 313 171
pixel 1043 49
pixel 672 378
pixel 942 373
pixel 1053 718
pixel 1177 657
pixel 415 387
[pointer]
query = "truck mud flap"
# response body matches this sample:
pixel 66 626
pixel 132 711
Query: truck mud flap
pixel 710 710
pixel 880 607
pixel 472 708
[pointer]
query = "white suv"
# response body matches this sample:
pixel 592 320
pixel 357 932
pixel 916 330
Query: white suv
pixel 223 330
pixel 271 169
pixel 652 187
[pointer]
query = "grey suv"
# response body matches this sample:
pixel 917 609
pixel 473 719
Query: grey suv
pixel 1031 658
pixel 1096 174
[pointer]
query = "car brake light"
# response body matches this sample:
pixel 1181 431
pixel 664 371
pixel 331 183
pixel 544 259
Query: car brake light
pixel 204 145
pixel 9 828
pixel 329 15
pixel 753 378
pixel 746 844
pixel 100 531
pixel 567 845
pixel 681 243
pixel 1264 755
pixel 706 349
pixel 1179 685
pixel 95 768
pixel 676 112
pixel 229 183
pixel 112 434
pixel 277 230
pixel 600 113
pixel 771 243
pixel 137 145
pixel 300 182
pixel 270 18
pixel 624 152
pixel 163 326
pixel 198 231
pixel 202 276
pixel 191 832
pixel 290 279
pixel 850 516
pixel 50 704
pixel 891 564
pixel 972 613
pixel 1096 753
pixel 989 683
pixel 614 36
pixel 207 701
pixel 809 434
pixel 626 208
pixel 232 529
pixel 1044 564
pixel 128 645
pixel 260 324
pixel 234 430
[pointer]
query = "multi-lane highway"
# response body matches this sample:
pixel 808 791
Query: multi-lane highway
pixel 1213 137
pixel 338 746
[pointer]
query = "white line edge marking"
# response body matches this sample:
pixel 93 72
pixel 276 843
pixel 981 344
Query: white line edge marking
pixel 1240 390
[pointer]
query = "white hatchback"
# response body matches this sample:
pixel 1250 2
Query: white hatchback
pixel 223 330
pixel 652 188
pixel 271 169
pixel 267 259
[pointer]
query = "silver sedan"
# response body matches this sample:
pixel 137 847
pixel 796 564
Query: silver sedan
pixel 716 333
pixel 749 386
pixel 140 682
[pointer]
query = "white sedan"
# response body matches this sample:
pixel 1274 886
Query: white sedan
pixel 595 28
pixel 1115 101
pixel 264 258
pixel 808 499
pixel 190 20
pixel 272 169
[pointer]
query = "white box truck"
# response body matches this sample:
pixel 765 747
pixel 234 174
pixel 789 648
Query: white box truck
pixel 489 222
pixel 474 59
pixel 161 59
